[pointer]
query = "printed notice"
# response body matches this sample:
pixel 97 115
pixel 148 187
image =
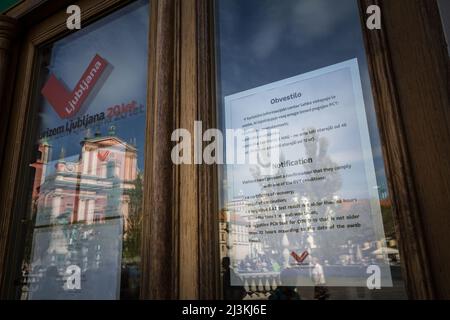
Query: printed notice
pixel 313 218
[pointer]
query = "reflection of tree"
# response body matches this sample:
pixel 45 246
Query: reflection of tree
pixel 318 151
pixel 132 236
pixel 306 194
pixel 323 189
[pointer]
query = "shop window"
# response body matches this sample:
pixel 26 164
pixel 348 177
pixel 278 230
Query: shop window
pixel 311 195
pixel 85 207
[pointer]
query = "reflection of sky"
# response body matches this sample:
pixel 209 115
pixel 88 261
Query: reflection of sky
pixel 263 41
pixel 121 39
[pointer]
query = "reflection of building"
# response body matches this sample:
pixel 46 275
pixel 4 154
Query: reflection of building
pixel 91 188
pixel 235 231
pixel 40 167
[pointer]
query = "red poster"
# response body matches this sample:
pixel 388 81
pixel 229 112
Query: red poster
pixel 67 103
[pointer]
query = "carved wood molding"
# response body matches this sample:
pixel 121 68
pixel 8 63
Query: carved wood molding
pixel 159 231
pixel 209 259
pixel 196 185
pixel 8 31
pixel 406 208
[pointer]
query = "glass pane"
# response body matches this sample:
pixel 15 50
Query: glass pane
pixel 444 7
pixel 306 212
pixel 88 167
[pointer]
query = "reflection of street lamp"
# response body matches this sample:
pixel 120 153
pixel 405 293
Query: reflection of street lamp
pixel 285 244
pixel 230 244
pixel 255 246
pixel 228 229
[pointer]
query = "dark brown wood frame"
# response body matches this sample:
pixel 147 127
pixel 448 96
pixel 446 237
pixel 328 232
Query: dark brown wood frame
pixel 182 226
pixel 180 258
pixel 406 214
pixel 408 63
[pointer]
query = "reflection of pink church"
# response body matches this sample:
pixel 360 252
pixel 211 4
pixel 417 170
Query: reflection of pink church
pixel 93 187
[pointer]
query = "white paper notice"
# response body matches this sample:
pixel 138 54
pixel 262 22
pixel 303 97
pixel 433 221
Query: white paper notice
pixel 315 218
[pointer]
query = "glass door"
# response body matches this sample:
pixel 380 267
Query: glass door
pixel 305 212
pixel 84 204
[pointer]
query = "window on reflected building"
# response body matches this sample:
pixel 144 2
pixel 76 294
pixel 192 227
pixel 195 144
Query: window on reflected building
pixel 311 216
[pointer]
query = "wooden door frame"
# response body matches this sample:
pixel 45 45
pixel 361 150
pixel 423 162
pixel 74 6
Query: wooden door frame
pixel 410 205
pixel 419 67
pixel 203 179
pixel 180 247
pixel 410 47
pixel 13 185
pixel 405 209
